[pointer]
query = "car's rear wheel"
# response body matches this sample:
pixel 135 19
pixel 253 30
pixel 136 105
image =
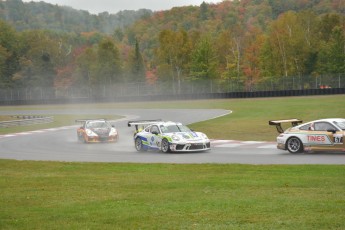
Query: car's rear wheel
pixel 294 145
pixel 138 144
pixel 165 146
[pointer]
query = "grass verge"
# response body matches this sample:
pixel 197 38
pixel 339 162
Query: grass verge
pixel 56 195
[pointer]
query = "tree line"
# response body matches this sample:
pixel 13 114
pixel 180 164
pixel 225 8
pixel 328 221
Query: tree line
pixel 243 41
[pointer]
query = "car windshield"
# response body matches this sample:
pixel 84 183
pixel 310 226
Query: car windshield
pixel 174 128
pixel 340 124
pixel 97 125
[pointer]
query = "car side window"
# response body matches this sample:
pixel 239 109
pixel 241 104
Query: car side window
pixel 155 129
pixel 305 127
pixel 323 126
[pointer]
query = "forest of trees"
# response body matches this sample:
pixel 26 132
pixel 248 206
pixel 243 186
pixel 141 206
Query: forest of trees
pixel 248 41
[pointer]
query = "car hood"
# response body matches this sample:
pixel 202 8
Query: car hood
pixel 101 131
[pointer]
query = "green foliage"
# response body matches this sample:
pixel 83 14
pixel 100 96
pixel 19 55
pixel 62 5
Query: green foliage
pixel 174 51
pixel 204 60
pixel 33 15
pixel 9 54
pixel 136 66
pixel 109 63
pixel 331 52
pixel 247 41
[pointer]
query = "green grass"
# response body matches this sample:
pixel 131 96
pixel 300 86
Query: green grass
pixel 53 195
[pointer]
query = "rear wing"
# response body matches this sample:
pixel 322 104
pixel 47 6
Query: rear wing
pixel 278 123
pixel 142 123
pixel 91 119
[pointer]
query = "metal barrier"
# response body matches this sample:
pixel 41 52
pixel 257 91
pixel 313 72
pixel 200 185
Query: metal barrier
pixel 30 121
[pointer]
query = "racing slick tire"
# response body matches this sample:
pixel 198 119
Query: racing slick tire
pixel 165 146
pixel 139 145
pixel 294 145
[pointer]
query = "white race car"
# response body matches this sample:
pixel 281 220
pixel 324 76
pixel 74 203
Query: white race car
pixel 318 135
pixel 167 137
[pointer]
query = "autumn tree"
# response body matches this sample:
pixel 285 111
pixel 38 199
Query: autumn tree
pixel 86 71
pixel 174 52
pixel 204 60
pixel 136 66
pixel 9 54
pixel 251 59
pixel 109 63
pixel 230 51
pixel 203 11
pixel 291 44
pixel 331 57
pixel 39 57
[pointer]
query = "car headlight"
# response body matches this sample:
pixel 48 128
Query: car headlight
pixel 175 138
pixel 204 136
pixel 112 132
pixel 90 133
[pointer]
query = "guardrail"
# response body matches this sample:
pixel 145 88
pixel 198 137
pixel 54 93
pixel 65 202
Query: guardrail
pixel 27 121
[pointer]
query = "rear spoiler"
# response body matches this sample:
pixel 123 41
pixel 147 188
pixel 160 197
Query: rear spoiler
pixel 277 123
pixel 142 123
pixel 92 119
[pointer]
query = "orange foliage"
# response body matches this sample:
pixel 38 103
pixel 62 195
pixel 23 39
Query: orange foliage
pixel 63 77
pixel 151 76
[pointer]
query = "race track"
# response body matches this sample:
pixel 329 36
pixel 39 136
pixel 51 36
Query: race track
pixel 61 144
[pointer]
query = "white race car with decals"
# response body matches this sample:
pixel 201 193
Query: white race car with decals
pixel 318 135
pixel 167 137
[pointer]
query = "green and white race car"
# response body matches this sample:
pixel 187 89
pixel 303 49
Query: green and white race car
pixel 167 137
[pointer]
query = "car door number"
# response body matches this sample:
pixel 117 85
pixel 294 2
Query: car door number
pixel 338 139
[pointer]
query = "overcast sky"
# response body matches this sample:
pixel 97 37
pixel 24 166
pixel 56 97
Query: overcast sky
pixel 114 6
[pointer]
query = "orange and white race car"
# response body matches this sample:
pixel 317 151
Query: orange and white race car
pixel 96 130
pixel 318 135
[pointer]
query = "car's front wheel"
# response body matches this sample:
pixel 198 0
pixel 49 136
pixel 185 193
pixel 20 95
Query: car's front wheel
pixel 138 144
pixel 294 145
pixel 165 146
pixel 80 138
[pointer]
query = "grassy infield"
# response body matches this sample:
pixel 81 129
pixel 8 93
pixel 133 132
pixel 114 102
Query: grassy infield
pixel 58 195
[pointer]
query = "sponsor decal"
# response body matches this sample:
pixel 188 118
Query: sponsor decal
pixel 194 134
pixel 318 139
pixel 152 140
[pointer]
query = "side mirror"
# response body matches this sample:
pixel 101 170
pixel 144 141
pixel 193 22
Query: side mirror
pixel 331 130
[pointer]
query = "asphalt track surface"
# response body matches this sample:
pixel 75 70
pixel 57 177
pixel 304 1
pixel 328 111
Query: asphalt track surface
pixel 60 144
